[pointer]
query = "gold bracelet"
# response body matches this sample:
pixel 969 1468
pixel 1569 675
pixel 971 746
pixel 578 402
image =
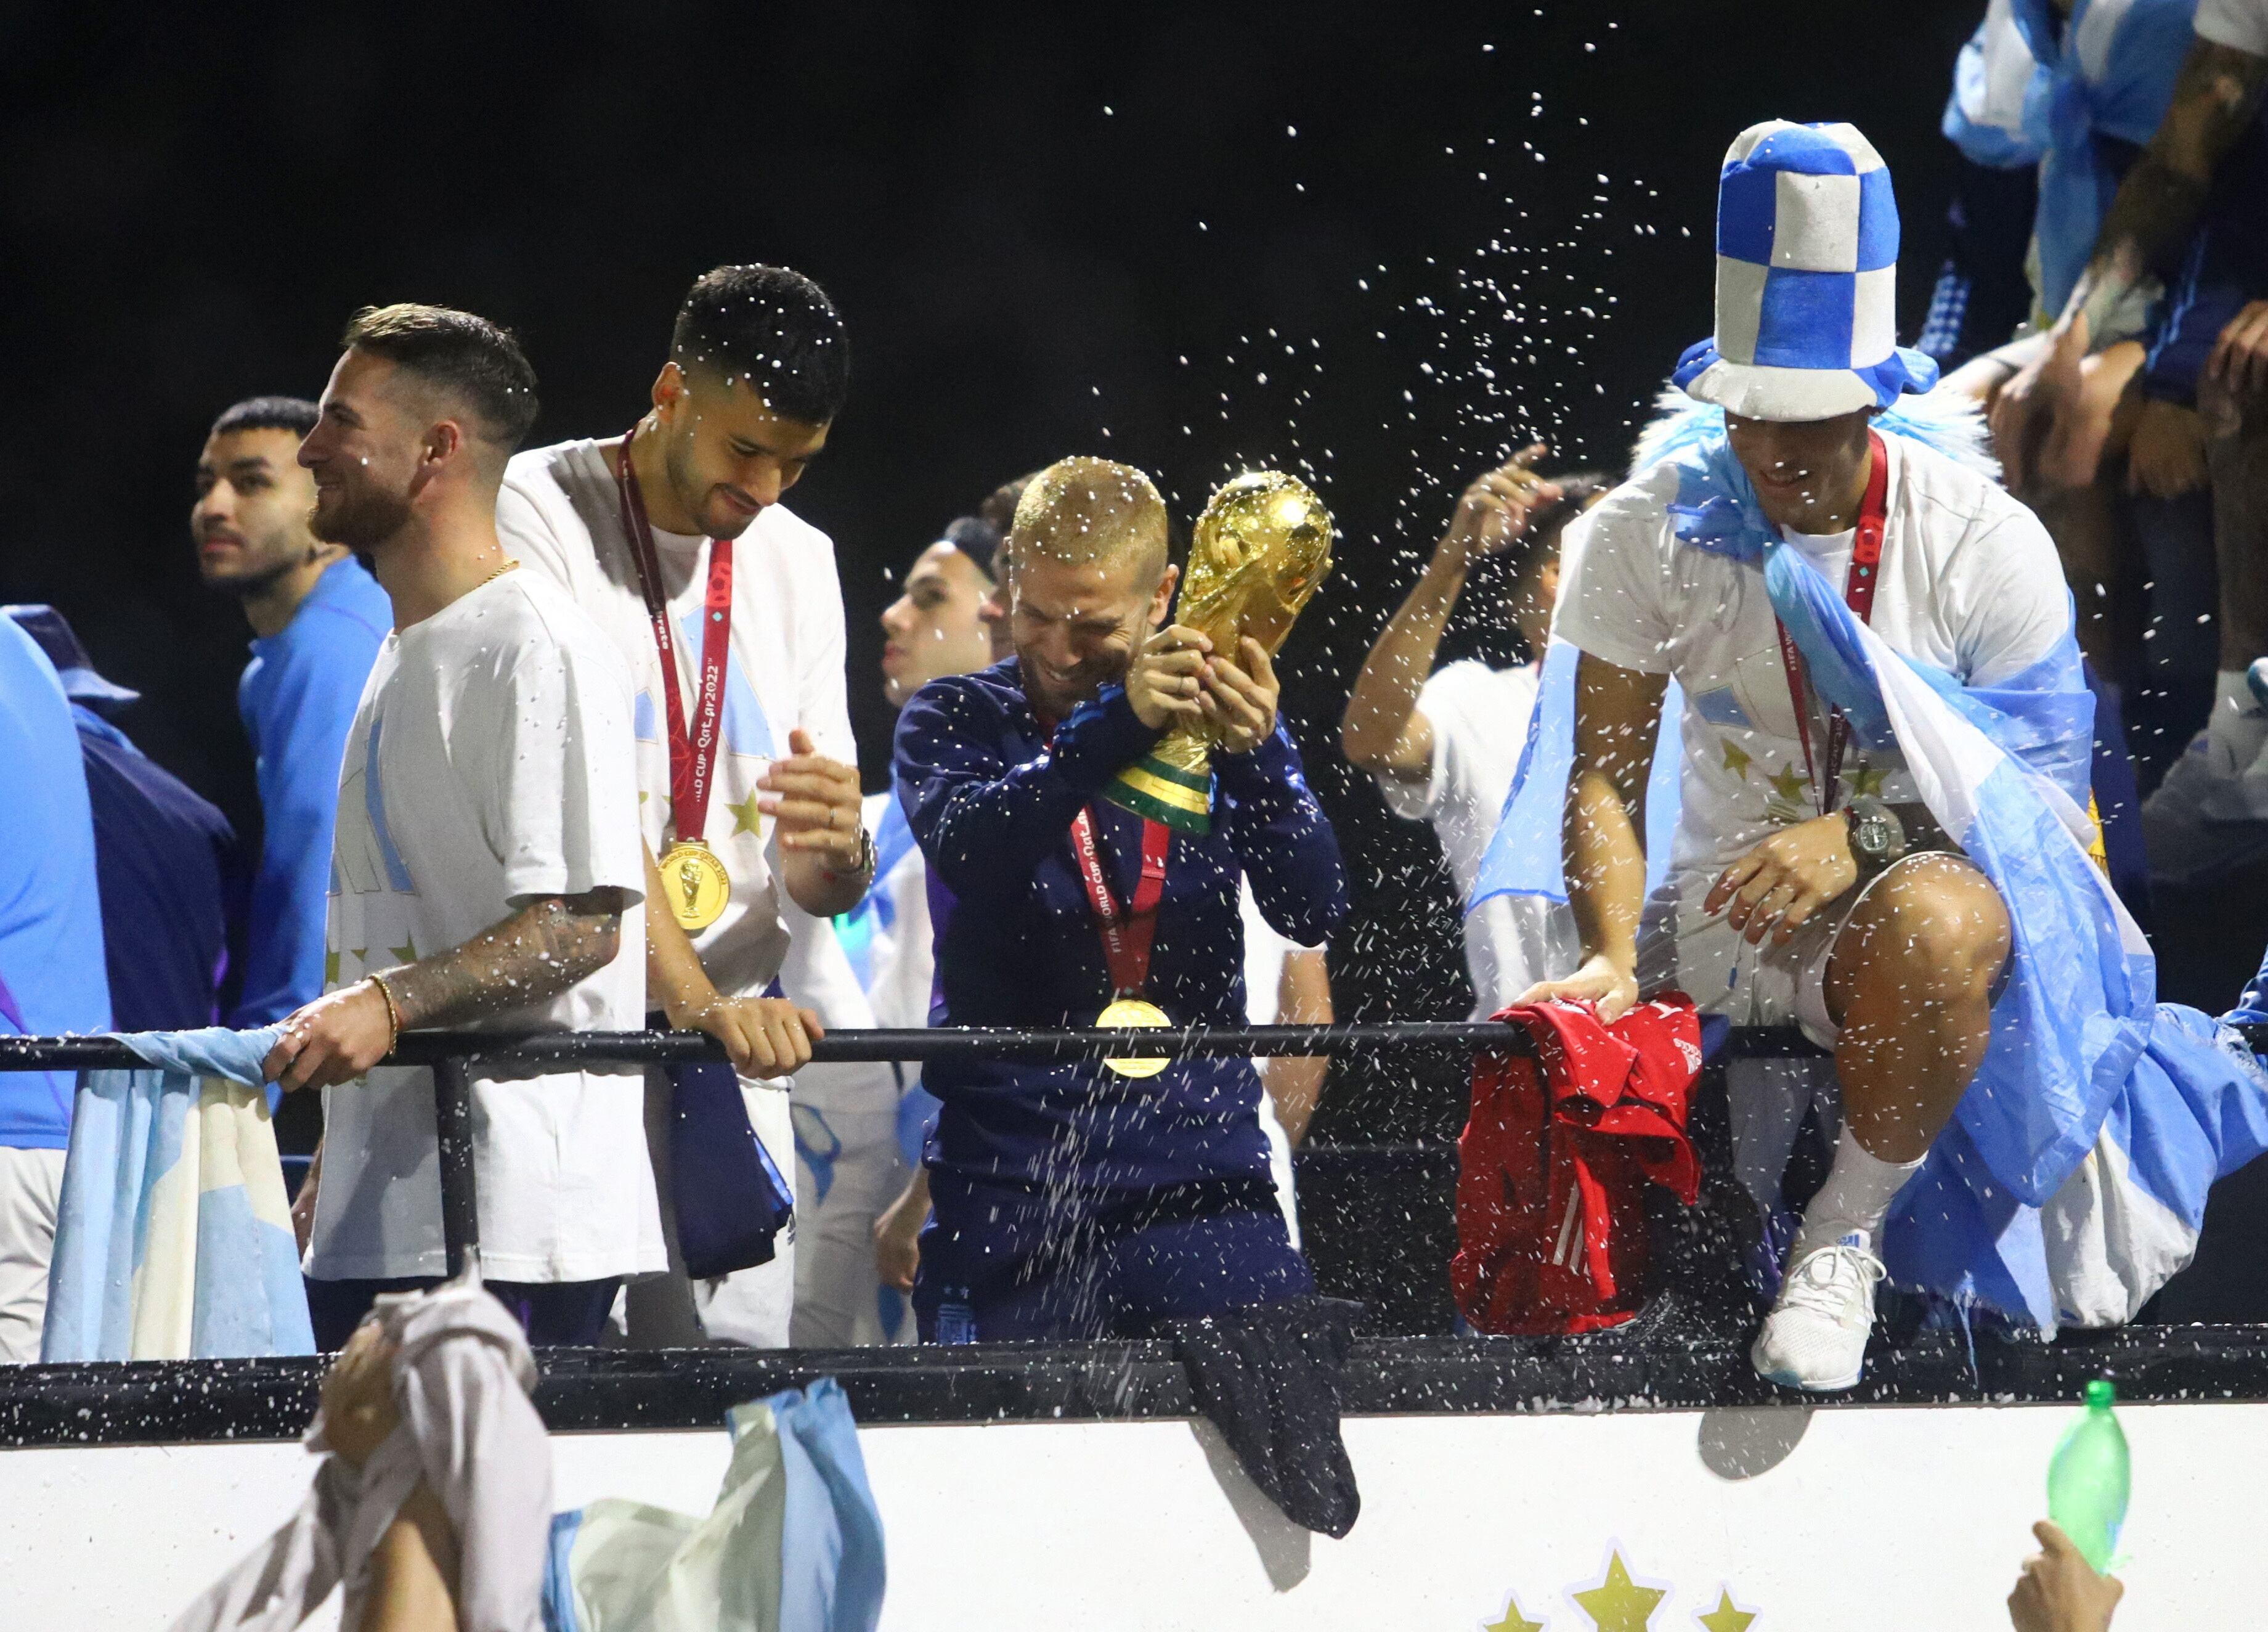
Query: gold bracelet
pixel 393 1015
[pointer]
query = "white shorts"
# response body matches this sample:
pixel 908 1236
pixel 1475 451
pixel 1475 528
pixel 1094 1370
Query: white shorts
pixel 848 1170
pixel 1706 958
pixel 30 1191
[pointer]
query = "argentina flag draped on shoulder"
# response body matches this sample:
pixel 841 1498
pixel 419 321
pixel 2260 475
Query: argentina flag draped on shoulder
pixel 2070 1184
pixel 2070 1181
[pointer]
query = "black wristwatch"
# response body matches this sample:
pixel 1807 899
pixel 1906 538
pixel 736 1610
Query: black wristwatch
pixel 1878 838
pixel 869 858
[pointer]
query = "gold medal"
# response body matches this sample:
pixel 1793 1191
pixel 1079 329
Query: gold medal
pixel 697 883
pixel 1125 1014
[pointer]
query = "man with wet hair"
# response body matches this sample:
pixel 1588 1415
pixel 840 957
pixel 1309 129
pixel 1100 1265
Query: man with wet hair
pixel 726 608
pixel 487 874
pixel 318 619
pixel 1074 1201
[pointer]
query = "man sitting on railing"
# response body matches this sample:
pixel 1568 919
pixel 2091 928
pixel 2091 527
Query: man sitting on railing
pixel 1072 1200
pixel 1827 870
pixel 487 872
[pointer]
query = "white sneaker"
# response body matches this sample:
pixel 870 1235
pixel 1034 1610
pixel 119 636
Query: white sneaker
pixel 1815 1336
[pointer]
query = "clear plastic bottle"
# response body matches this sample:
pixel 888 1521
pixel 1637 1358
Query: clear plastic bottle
pixel 2087 1478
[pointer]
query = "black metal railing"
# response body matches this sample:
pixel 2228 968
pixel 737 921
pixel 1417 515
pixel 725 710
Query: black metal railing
pixel 452 1055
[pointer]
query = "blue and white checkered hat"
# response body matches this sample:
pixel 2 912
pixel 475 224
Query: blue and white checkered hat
pixel 1807 280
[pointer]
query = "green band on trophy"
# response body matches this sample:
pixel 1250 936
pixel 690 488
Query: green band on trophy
pixel 1153 789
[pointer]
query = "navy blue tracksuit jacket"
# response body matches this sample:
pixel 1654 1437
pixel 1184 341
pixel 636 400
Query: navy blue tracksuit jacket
pixel 992 800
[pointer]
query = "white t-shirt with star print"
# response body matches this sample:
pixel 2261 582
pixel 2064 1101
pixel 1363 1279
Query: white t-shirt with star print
pixel 490 765
pixel 561 513
pixel 1970 582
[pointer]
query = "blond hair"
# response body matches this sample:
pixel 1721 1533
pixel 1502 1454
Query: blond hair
pixel 1084 509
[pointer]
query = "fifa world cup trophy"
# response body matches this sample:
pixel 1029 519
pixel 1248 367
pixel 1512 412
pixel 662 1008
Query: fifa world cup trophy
pixel 1260 548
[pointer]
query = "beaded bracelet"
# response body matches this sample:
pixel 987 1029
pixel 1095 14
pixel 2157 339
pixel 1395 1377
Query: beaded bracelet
pixel 393 1015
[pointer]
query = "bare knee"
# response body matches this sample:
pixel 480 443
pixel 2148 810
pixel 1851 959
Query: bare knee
pixel 1935 925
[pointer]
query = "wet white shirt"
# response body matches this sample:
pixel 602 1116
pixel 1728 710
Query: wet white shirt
pixel 1970 582
pixel 490 765
pixel 561 512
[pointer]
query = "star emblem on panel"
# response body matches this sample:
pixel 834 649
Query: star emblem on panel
pixel 1617 1600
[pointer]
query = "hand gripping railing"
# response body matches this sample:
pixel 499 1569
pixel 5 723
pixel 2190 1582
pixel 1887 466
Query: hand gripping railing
pixel 452 1054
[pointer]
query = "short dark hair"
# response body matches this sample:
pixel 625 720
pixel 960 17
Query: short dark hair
pixel 773 328
pixel 1541 543
pixel 999 508
pixel 977 539
pixel 478 361
pixel 294 414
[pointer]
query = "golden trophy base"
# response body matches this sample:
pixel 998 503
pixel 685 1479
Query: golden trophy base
pixel 1173 795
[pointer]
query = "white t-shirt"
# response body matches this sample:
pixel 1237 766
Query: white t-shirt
pixel 561 513
pixel 489 764
pixel 1970 582
pixel 899 964
pixel 1265 952
pixel 2240 25
pixel 1479 718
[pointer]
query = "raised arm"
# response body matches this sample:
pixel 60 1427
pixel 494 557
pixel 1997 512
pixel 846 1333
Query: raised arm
pixel 1383 731
pixel 529 957
pixel 1618 717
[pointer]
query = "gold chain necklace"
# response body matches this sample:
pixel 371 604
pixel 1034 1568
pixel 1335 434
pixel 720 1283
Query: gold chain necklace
pixel 492 577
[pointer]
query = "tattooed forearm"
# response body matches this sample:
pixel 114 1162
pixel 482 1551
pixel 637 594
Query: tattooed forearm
pixel 2157 204
pixel 533 956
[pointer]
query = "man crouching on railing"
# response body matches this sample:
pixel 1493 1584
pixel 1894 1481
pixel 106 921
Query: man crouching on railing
pixel 487 869
pixel 1074 1201
pixel 1831 869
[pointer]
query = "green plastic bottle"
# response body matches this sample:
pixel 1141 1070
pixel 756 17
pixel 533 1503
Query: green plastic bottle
pixel 2087 1478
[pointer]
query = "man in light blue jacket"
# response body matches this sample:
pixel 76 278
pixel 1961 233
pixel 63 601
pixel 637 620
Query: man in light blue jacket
pixel 317 619
pixel 52 978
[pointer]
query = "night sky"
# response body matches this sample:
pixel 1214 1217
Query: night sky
pixel 1379 246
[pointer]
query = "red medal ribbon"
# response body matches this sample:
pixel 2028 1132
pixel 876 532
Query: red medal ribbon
pixel 692 756
pixel 1859 586
pixel 1126 932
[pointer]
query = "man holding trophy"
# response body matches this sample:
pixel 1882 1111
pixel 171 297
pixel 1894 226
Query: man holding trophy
pixel 1087 809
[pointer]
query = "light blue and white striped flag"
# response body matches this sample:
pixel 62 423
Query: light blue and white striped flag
pixel 173 1238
